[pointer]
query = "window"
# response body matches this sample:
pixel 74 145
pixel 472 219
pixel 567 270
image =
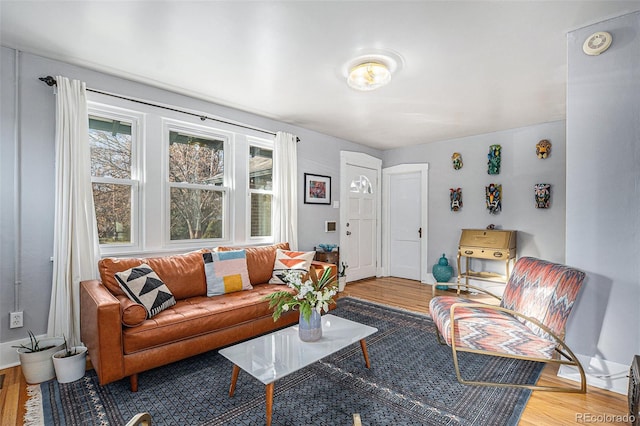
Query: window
pixel 112 175
pixel 166 182
pixel 260 190
pixel 196 186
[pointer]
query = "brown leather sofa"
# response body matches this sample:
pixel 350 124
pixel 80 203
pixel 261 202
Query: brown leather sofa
pixel 123 343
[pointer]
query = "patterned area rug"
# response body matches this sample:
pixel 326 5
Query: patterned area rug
pixel 411 382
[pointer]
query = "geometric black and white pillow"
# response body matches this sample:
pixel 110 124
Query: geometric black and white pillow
pixel 143 286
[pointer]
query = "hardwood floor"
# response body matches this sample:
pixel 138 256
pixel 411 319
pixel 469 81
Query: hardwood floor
pixel 544 408
pixel 13 395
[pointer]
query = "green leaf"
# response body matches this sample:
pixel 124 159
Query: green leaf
pixel 305 311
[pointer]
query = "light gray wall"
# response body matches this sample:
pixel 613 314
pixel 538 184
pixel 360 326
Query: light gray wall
pixel 603 190
pixel 7 158
pixel 317 153
pixel 540 231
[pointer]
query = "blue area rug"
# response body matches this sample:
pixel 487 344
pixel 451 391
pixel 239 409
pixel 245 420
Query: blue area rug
pixel 411 382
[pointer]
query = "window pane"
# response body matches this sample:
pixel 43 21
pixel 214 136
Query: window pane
pixel 195 159
pixel 361 185
pixel 196 214
pixel 260 168
pixel 110 142
pixel 113 212
pixel 260 215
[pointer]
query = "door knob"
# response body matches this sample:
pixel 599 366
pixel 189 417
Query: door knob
pixel 348 232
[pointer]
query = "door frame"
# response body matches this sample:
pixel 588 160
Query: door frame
pixel 423 169
pixel 360 159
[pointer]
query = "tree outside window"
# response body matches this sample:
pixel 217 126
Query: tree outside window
pixel 197 187
pixel 260 190
pixel 111 170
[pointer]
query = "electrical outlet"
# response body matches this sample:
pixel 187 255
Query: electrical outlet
pixel 15 320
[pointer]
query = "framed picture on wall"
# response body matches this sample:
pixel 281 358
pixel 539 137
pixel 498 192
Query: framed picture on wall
pixel 317 189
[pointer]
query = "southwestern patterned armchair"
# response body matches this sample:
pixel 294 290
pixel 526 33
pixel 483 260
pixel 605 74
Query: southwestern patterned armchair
pixel 528 324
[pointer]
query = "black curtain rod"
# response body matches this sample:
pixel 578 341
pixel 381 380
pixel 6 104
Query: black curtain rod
pixel 51 81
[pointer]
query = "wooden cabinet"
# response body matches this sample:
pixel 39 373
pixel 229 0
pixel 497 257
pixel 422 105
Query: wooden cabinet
pixel 328 256
pixel 488 244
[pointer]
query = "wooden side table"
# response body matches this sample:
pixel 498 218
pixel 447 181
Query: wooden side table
pixel 328 256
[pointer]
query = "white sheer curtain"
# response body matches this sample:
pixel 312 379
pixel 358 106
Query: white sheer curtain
pixel 75 239
pixel 285 210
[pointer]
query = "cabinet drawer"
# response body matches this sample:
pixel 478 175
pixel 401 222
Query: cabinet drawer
pixel 327 257
pixel 490 254
pixel 484 253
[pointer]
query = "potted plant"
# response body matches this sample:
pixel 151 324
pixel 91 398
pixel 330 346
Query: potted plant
pixel 35 358
pixel 342 277
pixel 70 363
pixel 311 297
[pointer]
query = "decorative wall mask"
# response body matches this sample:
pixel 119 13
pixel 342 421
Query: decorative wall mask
pixel 543 148
pixel 456 158
pixel 494 198
pixel 494 160
pixel 456 199
pixel 542 193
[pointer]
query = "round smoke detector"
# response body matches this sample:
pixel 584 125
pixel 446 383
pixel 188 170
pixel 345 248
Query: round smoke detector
pixel 597 43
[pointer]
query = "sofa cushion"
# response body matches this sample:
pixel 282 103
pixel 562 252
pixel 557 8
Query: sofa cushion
pixel 144 286
pixel 182 273
pixel 226 272
pixel 199 316
pixel 260 260
pixel 133 314
pixel 298 261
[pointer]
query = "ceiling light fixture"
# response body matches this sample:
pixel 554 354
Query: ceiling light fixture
pixel 369 76
pixel 371 70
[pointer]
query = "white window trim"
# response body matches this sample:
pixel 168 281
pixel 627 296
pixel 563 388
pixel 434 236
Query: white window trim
pixel 267 144
pixel 137 132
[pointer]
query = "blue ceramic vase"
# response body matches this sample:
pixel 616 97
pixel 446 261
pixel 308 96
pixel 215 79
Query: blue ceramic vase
pixel 442 272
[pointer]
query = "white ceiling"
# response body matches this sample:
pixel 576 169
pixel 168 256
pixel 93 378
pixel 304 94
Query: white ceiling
pixel 469 67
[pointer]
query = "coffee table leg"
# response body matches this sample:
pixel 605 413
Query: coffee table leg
pixel 363 345
pixel 234 379
pixel 269 390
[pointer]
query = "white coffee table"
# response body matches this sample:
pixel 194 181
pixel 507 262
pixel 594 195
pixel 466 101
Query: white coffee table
pixel 275 355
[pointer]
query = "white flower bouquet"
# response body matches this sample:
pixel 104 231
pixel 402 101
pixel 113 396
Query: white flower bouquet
pixel 311 293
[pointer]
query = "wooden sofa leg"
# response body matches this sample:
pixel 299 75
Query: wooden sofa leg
pixel 133 380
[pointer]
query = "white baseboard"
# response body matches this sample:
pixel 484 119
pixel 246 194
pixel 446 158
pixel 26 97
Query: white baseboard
pixel 600 373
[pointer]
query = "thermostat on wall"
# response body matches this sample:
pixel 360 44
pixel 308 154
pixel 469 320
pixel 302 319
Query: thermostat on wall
pixel 330 226
pixel 597 43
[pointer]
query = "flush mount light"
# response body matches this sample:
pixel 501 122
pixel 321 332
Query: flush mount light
pixel 369 76
pixel 372 70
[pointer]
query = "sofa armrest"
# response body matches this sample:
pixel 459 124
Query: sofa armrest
pixel 101 330
pixel 321 266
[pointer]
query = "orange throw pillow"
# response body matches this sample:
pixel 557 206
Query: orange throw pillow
pixel 286 260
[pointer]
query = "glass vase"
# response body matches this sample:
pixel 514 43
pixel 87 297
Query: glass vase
pixel 310 331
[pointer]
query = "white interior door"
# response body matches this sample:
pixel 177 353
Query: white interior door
pixel 405 201
pixel 361 222
pixel 404 215
pixel 360 248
